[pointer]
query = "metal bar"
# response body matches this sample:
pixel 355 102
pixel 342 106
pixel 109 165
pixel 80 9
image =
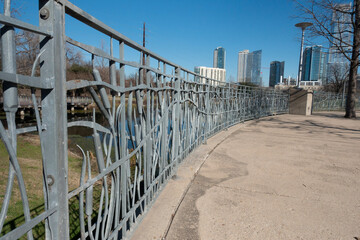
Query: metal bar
pixel 28 226
pixel 55 117
pixel 13 22
pixel 29 81
pixel 176 120
pixel 123 149
pixel 88 124
pixel 148 128
pixel 101 53
pixel 78 84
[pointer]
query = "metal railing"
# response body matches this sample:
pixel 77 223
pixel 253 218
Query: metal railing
pixel 328 101
pixel 150 127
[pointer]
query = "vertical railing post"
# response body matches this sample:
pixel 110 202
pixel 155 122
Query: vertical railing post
pixel 176 119
pixel 273 109
pixel 229 96
pixel 165 121
pixel 252 102
pixel 54 117
pixel 207 109
pixel 238 104
pixel 223 108
pixel 186 113
pixel 148 148
pixel 123 152
pixel 244 104
pixel 258 102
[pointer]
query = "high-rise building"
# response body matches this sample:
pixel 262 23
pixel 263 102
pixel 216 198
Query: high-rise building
pixel 249 67
pixel 306 64
pixel 314 66
pixel 276 72
pixel 242 64
pixel 213 73
pixel 249 61
pixel 341 28
pixel 256 67
pixel 219 57
pixel 324 67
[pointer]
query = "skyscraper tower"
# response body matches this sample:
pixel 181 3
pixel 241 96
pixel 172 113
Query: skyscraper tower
pixel 249 67
pixel 341 41
pixel 242 64
pixel 314 65
pixel 256 67
pixel 341 28
pixel 219 57
pixel 276 72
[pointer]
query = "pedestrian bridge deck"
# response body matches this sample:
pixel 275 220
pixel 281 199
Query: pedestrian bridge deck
pixel 280 177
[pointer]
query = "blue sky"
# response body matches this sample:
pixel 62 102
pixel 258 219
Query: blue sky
pixel 186 32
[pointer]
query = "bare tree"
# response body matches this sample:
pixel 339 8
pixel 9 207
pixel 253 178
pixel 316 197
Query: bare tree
pixel 73 56
pixel 27 48
pixel 339 23
pixel 337 78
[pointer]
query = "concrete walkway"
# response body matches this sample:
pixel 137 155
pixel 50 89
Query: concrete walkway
pixel 281 177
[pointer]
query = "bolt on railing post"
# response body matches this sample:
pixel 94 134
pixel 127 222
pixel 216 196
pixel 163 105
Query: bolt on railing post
pixel 54 117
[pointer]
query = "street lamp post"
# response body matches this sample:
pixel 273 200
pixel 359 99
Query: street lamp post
pixel 301 25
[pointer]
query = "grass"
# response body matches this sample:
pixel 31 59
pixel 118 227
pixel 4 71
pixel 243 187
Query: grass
pixel 30 161
pixel 29 157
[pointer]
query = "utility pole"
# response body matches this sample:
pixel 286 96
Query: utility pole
pixel 144 34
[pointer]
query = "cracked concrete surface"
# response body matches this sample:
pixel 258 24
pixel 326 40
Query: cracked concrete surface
pixel 282 177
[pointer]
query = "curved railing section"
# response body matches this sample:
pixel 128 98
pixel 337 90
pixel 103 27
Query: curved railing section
pixel 149 125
